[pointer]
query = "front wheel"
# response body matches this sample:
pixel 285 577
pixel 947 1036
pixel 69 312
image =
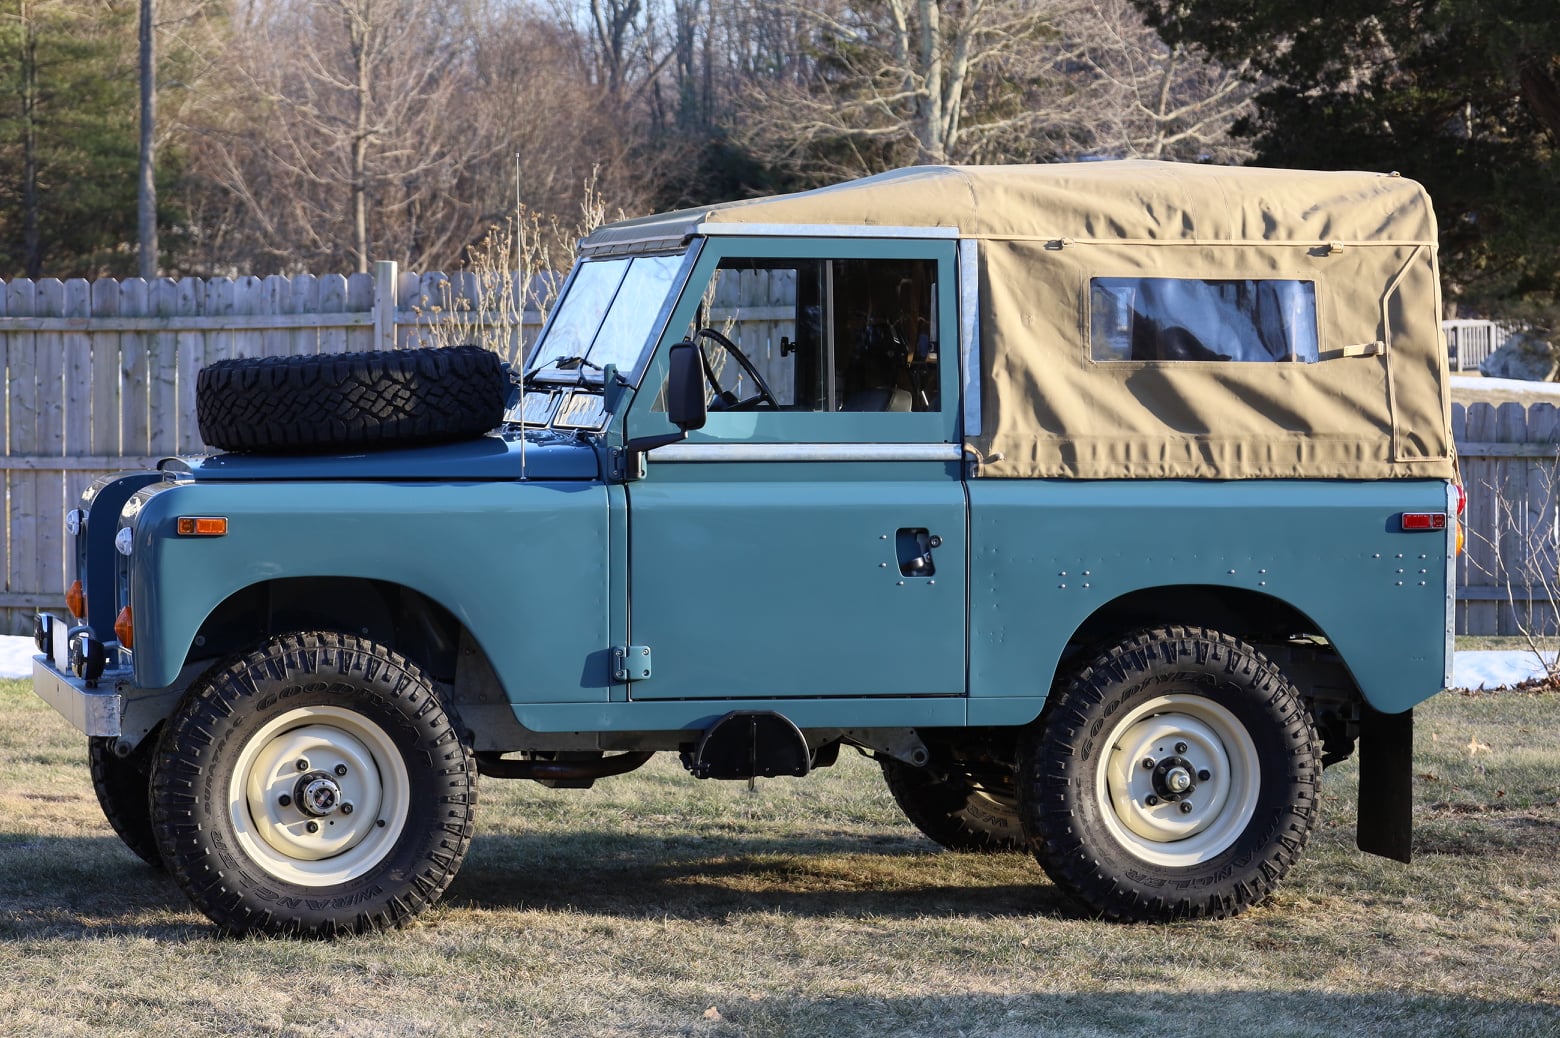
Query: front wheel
pixel 1175 777
pixel 314 786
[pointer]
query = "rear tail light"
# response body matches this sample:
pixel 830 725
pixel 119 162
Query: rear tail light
pixel 1424 521
pixel 76 601
pixel 1462 497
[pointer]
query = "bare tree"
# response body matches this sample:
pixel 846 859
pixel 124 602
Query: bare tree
pixel 897 81
pixel 900 81
pixel 1146 98
pixel 349 107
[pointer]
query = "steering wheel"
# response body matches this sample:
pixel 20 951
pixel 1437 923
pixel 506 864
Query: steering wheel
pixel 725 399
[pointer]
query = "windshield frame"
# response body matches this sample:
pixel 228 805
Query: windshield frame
pixel 586 374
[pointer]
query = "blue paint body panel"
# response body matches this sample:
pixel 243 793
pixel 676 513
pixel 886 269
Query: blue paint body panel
pixel 524 566
pixel 1047 554
pixel 772 583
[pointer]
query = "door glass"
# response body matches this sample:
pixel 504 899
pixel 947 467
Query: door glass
pixel 822 335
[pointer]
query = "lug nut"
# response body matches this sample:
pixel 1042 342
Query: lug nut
pixel 1180 747
pixel 346 809
pixel 302 764
pixel 1204 775
pixel 284 800
pixel 1148 764
pixel 380 823
pixel 341 769
pixel 313 827
pixel 1186 807
pixel 1151 800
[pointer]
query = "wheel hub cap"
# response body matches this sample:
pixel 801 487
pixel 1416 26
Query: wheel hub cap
pixel 1173 778
pixel 317 794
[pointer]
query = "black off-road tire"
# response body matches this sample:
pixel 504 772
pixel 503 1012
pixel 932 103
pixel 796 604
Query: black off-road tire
pixel 285 738
pixel 953 810
pixel 350 400
pixel 1098 776
pixel 123 788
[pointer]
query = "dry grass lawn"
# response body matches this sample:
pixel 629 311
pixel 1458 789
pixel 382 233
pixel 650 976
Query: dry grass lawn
pixel 657 905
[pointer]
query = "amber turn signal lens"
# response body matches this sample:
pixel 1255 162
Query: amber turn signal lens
pixel 1460 536
pixel 202 526
pixel 76 601
pixel 124 630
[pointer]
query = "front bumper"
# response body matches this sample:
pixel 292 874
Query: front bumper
pixel 92 707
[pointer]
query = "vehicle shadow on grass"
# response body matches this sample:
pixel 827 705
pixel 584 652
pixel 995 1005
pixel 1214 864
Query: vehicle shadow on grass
pixel 86 887
pixel 638 876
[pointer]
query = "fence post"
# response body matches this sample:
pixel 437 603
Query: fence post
pixel 385 280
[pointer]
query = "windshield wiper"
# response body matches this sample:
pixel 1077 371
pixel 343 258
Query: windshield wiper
pixel 581 365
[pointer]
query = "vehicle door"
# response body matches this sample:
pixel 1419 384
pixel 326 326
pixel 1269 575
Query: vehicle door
pixel 811 540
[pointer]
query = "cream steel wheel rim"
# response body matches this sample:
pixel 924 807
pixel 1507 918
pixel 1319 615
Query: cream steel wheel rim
pixel 319 796
pixel 1179 780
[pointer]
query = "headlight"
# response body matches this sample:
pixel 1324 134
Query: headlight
pixel 73 521
pixel 124 540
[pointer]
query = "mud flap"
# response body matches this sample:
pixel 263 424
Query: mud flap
pixel 1386 822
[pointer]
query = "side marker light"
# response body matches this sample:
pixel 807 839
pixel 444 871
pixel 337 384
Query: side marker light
pixel 202 526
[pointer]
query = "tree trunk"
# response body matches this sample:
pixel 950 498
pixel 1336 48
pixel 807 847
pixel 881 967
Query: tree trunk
pixel 32 250
pixel 146 192
pixel 1541 92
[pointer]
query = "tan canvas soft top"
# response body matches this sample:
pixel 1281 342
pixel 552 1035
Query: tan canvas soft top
pixel 1374 406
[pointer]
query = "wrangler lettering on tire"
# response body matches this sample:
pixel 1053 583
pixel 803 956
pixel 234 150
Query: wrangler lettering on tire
pixel 313 786
pixel 1175 777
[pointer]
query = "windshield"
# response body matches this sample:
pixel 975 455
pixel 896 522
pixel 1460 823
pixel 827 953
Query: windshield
pixel 607 316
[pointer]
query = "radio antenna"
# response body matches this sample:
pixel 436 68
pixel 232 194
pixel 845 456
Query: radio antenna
pixel 520 312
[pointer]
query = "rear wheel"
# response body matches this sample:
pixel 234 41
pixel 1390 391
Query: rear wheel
pixel 123 788
pixel 314 786
pixel 953 807
pixel 1175 777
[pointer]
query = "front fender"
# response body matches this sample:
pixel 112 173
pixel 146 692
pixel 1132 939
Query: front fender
pixel 519 564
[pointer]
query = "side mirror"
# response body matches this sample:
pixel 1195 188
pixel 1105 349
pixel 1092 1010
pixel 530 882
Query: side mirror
pixel 685 406
pixel 685 387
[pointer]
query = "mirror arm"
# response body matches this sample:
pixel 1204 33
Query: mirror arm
pixel 634 451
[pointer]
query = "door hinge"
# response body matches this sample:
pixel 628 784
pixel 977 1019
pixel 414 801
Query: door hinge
pixel 630 662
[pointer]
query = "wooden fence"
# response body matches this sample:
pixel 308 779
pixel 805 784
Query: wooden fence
pixel 1507 579
pixel 101 377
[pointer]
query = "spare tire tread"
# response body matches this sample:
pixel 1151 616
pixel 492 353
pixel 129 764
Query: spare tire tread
pixel 375 399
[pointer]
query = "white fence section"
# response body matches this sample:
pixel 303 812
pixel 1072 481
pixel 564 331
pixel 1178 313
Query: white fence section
pixel 1468 343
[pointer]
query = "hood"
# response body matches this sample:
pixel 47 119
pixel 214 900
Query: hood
pixel 547 457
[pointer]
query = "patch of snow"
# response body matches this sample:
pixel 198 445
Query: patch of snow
pixel 1509 385
pixel 1491 669
pixel 16 653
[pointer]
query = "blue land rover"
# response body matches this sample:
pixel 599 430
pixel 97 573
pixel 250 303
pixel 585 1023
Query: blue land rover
pixel 1104 505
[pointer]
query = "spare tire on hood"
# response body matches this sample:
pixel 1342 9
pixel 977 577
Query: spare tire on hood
pixel 350 400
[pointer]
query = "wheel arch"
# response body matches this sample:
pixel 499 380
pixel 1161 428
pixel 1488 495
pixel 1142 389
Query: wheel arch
pixel 1295 642
pixel 414 623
